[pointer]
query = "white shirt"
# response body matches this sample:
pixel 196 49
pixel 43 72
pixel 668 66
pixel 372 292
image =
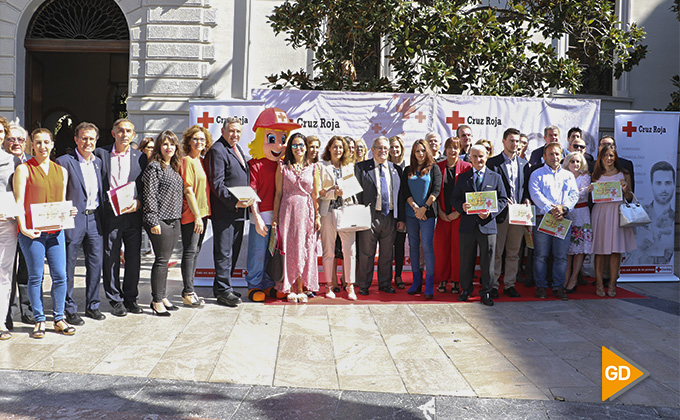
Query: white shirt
pixel 548 187
pixel 378 186
pixel 90 176
pixel 120 167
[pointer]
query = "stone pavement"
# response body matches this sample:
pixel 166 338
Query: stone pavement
pixel 462 360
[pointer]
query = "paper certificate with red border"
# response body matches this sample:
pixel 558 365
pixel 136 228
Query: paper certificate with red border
pixel 52 216
pixel 481 202
pixel 122 197
pixel 8 206
pixel 554 227
pixel 521 214
pixel 606 192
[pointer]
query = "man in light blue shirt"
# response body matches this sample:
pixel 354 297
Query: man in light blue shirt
pixel 553 190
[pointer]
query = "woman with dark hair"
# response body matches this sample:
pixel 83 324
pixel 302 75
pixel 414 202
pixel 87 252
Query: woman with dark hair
pixel 314 146
pixel 351 145
pixel 296 215
pixel 396 156
pixel 447 249
pixel 420 188
pixel 608 237
pixel 40 181
pixel 146 146
pixel 196 141
pixel 163 192
pixel 331 197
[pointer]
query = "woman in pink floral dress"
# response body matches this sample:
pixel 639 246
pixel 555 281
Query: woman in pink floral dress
pixel 581 229
pixel 296 216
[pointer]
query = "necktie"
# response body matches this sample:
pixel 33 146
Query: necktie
pixel 384 193
pixel 238 155
pixel 478 181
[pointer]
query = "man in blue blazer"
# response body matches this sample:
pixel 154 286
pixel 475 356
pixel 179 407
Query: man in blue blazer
pixel 121 164
pixel 513 171
pixel 477 229
pixel 85 190
pixel 226 167
pixel 380 181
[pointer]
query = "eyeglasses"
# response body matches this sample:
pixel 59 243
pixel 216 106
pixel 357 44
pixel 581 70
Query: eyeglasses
pixel 297 146
pixel 198 139
pixel 19 140
pixel 578 146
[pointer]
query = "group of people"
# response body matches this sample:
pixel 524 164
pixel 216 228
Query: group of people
pixel 170 188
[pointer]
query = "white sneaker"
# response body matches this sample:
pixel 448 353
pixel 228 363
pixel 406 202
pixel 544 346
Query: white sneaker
pixel 292 298
pixel 329 292
pixel 302 298
pixel 350 293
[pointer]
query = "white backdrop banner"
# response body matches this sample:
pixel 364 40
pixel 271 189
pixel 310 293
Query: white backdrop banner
pixel 369 115
pixel 211 115
pixel 650 140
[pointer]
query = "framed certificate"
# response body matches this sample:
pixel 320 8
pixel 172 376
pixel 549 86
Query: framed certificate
pixel 606 192
pixel 554 227
pixel 521 214
pixel 245 193
pixel 122 197
pixel 52 216
pixel 481 201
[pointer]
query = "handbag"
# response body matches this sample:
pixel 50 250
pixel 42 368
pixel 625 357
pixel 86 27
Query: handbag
pixel 352 218
pixel 276 266
pixel 632 214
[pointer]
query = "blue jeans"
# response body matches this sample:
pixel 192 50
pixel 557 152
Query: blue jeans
pixel 52 246
pixel 417 230
pixel 543 244
pixel 258 257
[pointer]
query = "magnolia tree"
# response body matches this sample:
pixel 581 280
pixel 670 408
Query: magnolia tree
pixel 456 46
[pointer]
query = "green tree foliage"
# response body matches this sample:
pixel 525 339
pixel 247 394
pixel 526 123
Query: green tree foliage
pixel 454 46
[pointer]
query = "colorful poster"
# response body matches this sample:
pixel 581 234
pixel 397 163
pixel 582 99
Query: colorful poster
pixel 650 140
pixel 481 201
pixel 554 227
pixel 606 192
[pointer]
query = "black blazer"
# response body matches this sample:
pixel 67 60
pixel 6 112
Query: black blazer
pixel 498 165
pixel 465 183
pixel 434 189
pixel 138 162
pixel 224 169
pixel 365 173
pixel 75 191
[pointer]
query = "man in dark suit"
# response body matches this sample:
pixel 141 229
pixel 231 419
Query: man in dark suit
pixel 380 181
pixel 84 189
pixel 477 229
pixel 578 144
pixel 625 163
pixel 226 167
pixel 512 170
pixel 121 164
pixel 551 134
pixel 15 144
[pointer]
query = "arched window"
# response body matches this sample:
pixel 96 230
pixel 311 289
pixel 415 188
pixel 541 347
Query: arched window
pixel 78 19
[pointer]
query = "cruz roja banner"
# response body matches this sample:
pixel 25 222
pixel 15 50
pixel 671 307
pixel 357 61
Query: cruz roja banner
pixel 650 140
pixel 368 115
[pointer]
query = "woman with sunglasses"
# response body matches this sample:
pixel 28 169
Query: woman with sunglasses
pixel 296 216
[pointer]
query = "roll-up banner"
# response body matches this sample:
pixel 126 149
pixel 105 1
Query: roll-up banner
pixel 650 140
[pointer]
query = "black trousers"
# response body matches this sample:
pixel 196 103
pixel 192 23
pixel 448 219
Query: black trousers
pixel 163 245
pixel 383 230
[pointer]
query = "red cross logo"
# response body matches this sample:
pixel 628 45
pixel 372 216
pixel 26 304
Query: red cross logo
pixel 629 129
pixel 376 128
pixel 206 120
pixel 454 120
pixel 420 117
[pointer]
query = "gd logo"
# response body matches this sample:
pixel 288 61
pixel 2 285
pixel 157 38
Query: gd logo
pixel 619 373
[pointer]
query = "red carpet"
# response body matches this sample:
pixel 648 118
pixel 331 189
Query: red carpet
pixel 377 297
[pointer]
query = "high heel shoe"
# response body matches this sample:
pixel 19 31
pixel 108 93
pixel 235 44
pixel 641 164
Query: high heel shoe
pixel 612 290
pixel 62 327
pixel 455 288
pixel 442 287
pixel 157 313
pixel 572 290
pixel 350 292
pixel 170 307
pixel 416 287
pixel 599 290
pixel 39 330
pixel 192 300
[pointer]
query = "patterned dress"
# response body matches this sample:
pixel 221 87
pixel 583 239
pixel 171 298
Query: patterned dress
pixel 581 229
pixel 296 226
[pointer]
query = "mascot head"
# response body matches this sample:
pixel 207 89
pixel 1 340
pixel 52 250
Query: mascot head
pixel 271 132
